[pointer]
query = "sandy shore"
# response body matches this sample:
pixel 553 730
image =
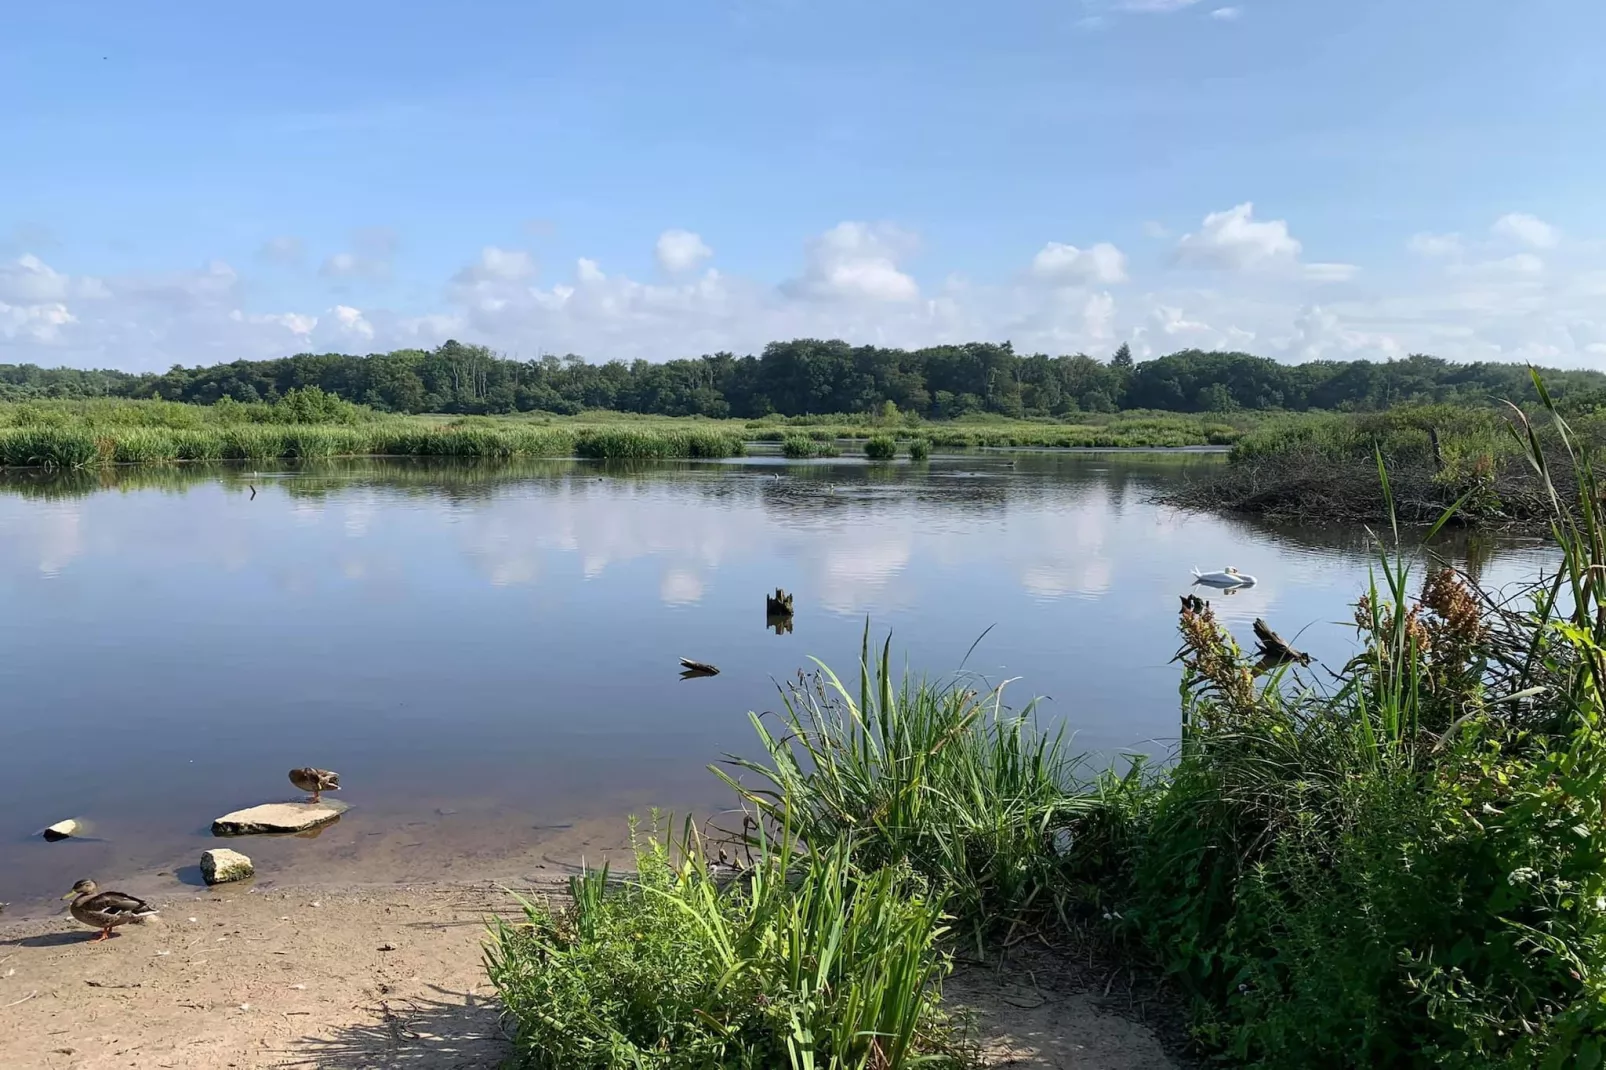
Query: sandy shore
pixel 353 978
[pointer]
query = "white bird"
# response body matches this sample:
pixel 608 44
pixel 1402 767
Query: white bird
pixel 1227 578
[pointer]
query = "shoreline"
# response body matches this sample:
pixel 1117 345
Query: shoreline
pixel 347 977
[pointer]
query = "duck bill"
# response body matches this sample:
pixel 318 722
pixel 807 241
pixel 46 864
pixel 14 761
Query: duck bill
pixel 70 895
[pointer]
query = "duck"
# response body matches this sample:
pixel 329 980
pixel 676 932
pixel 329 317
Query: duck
pixel 1227 577
pixel 316 781
pixel 105 910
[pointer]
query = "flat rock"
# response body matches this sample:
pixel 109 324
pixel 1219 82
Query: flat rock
pixel 61 830
pixel 278 817
pixel 221 865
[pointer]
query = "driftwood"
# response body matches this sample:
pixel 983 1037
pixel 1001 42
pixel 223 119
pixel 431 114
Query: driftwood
pixel 1274 649
pixel 778 604
pixel 697 668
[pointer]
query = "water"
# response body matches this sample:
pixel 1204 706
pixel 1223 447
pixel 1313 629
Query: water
pixel 488 654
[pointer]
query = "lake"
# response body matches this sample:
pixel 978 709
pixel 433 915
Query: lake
pixel 488 653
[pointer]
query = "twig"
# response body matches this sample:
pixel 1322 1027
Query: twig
pixel 24 999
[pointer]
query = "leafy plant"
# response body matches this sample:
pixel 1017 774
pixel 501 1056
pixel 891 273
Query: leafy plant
pixel 804 961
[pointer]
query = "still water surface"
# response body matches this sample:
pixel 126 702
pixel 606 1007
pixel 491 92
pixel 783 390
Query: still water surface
pixel 488 654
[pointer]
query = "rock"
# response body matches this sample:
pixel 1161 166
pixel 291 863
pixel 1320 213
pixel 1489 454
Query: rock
pixel 278 817
pixel 221 865
pixel 61 830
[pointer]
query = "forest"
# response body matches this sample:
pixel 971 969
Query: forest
pixel 812 377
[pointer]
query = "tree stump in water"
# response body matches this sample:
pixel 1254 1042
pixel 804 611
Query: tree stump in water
pixel 778 604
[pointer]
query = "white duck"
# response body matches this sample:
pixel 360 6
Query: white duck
pixel 1227 578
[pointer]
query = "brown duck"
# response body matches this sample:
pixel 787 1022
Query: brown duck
pixel 316 781
pixel 105 910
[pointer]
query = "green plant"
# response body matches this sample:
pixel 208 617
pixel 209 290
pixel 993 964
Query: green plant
pixel 919 449
pixel 802 961
pixel 939 778
pixel 881 448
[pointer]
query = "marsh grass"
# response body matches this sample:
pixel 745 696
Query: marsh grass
pixel 943 779
pixel 804 960
pixel 75 443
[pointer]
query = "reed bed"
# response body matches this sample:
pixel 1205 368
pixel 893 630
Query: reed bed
pixel 78 446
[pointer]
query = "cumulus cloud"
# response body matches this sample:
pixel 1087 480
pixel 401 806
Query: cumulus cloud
pixel 679 251
pixel 1478 301
pixel 497 265
pixel 372 250
pixel 1068 265
pixel 1234 240
pixel 1526 230
pixel 857 262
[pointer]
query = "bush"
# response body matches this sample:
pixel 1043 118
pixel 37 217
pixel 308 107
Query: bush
pixel 919 449
pixel 820 965
pixel 881 448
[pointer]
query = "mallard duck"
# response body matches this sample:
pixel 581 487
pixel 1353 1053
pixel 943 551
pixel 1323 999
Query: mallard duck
pixel 316 781
pixel 105 910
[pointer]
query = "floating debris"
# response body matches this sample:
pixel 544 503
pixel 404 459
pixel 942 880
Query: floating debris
pixel 778 604
pixel 1274 649
pixel 697 668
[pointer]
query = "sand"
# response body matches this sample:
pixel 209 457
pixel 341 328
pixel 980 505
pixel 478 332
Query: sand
pixel 348 978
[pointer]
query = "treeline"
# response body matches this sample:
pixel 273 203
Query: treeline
pixel 809 376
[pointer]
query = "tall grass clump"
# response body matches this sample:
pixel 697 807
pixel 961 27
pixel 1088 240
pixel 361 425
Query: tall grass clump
pixel 943 779
pixel 919 449
pixel 648 443
pixel 881 448
pixel 1407 868
pixel 802 960
pixel 798 446
pixel 46 446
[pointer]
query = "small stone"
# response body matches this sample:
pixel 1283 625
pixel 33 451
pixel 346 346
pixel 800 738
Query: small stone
pixel 221 865
pixel 278 817
pixel 61 830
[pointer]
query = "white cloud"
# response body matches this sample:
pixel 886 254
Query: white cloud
pixel 1227 14
pixel 1526 230
pixel 497 265
pixel 37 323
pixel 1154 229
pixel 1435 245
pixel 856 262
pixel 679 251
pixel 1234 240
pixel 1066 264
pixel 370 256
pixel 30 280
pixel 1481 301
pixel 352 323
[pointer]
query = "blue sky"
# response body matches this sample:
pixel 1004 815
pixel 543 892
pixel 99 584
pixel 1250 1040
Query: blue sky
pixel 1299 178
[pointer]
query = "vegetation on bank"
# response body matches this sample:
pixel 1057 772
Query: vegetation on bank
pixel 1402 862
pixel 1321 468
pixel 309 423
pixel 811 376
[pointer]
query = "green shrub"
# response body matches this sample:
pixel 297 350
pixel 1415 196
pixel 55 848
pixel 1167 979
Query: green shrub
pixel 802 962
pixel 919 449
pixel 881 448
